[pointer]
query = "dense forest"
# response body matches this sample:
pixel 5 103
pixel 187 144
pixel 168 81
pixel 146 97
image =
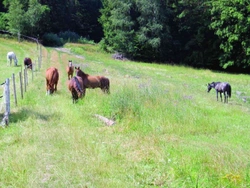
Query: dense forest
pixel 200 33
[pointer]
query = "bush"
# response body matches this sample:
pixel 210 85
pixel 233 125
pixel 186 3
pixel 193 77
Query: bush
pixel 69 36
pixel 51 39
pixel 83 40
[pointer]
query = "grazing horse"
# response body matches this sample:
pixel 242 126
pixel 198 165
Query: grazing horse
pixel 11 56
pixel 75 86
pixel 52 77
pixel 93 81
pixel 221 87
pixel 27 62
pixel 70 69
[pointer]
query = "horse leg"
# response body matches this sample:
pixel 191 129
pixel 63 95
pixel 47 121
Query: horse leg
pixel 73 96
pixel 56 86
pixel 84 91
pixel 47 87
pixel 226 97
pixel 106 89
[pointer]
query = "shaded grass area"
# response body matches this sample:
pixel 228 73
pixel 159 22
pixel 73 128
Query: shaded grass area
pixel 169 131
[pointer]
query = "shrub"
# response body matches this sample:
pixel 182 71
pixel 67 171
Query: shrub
pixel 69 36
pixel 83 40
pixel 51 39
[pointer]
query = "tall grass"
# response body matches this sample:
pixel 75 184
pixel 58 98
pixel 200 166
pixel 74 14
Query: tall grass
pixel 169 131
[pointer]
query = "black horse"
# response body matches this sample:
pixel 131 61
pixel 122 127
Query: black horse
pixel 221 87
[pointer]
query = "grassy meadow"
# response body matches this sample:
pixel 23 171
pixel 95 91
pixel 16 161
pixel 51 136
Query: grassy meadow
pixel 169 131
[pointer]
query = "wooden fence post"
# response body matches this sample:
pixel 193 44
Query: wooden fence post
pixel 18 36
pixel 14 88
pixel 32 72
pixel 40 57
pixel 26 75
pixel 5 120
pixel 21 84
pixel 24 79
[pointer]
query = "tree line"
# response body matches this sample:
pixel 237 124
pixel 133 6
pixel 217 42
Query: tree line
pixel 200 33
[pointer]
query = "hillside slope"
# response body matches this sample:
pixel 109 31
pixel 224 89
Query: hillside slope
pixel 169 131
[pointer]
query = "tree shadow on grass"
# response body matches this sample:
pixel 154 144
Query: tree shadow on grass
pixel 24 114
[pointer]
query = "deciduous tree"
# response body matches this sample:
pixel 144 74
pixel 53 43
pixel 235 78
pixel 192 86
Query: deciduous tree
pixel 231 23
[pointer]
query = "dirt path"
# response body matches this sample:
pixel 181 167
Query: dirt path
pixel 58 58
pixel 66 50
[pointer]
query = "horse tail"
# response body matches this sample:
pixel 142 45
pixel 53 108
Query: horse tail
pixel 229 91
pixel 54 79
pixel 78 87
pixel 105 84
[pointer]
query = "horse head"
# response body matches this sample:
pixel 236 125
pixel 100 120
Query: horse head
pixel 79 72
pixel 70 63
pixel 50 89
pixel 210 86
pixel 16 61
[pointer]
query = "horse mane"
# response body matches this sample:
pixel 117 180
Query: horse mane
pixel 80 72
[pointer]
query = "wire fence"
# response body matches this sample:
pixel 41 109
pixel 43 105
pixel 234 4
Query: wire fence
pixel 17 84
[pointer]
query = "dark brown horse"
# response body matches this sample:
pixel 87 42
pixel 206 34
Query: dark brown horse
pixel 52 77
pixel 27 62
pixel 93 81
pixel 70 69
pixel 75 86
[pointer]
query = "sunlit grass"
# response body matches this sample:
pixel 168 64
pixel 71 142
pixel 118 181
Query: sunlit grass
pixel 169 131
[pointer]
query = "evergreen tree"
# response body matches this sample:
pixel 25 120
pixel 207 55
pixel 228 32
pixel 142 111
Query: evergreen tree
pixel 136 28
pixel 194 40
pixel 79 16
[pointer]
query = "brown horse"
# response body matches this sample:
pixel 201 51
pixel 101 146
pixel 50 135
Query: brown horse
pixel 52 77
pixel 70 69
pixel 93 81
pixel 27 62
pixel 75 86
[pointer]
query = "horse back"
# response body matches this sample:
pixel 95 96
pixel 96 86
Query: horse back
pixel 28 62
pixel 92 81
pixel 224 87
pixel 52 75
pixel 11 55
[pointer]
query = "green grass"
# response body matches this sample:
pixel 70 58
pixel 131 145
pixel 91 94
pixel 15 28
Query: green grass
pixel 169 131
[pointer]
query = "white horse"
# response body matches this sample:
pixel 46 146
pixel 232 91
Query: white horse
pixel 11 56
